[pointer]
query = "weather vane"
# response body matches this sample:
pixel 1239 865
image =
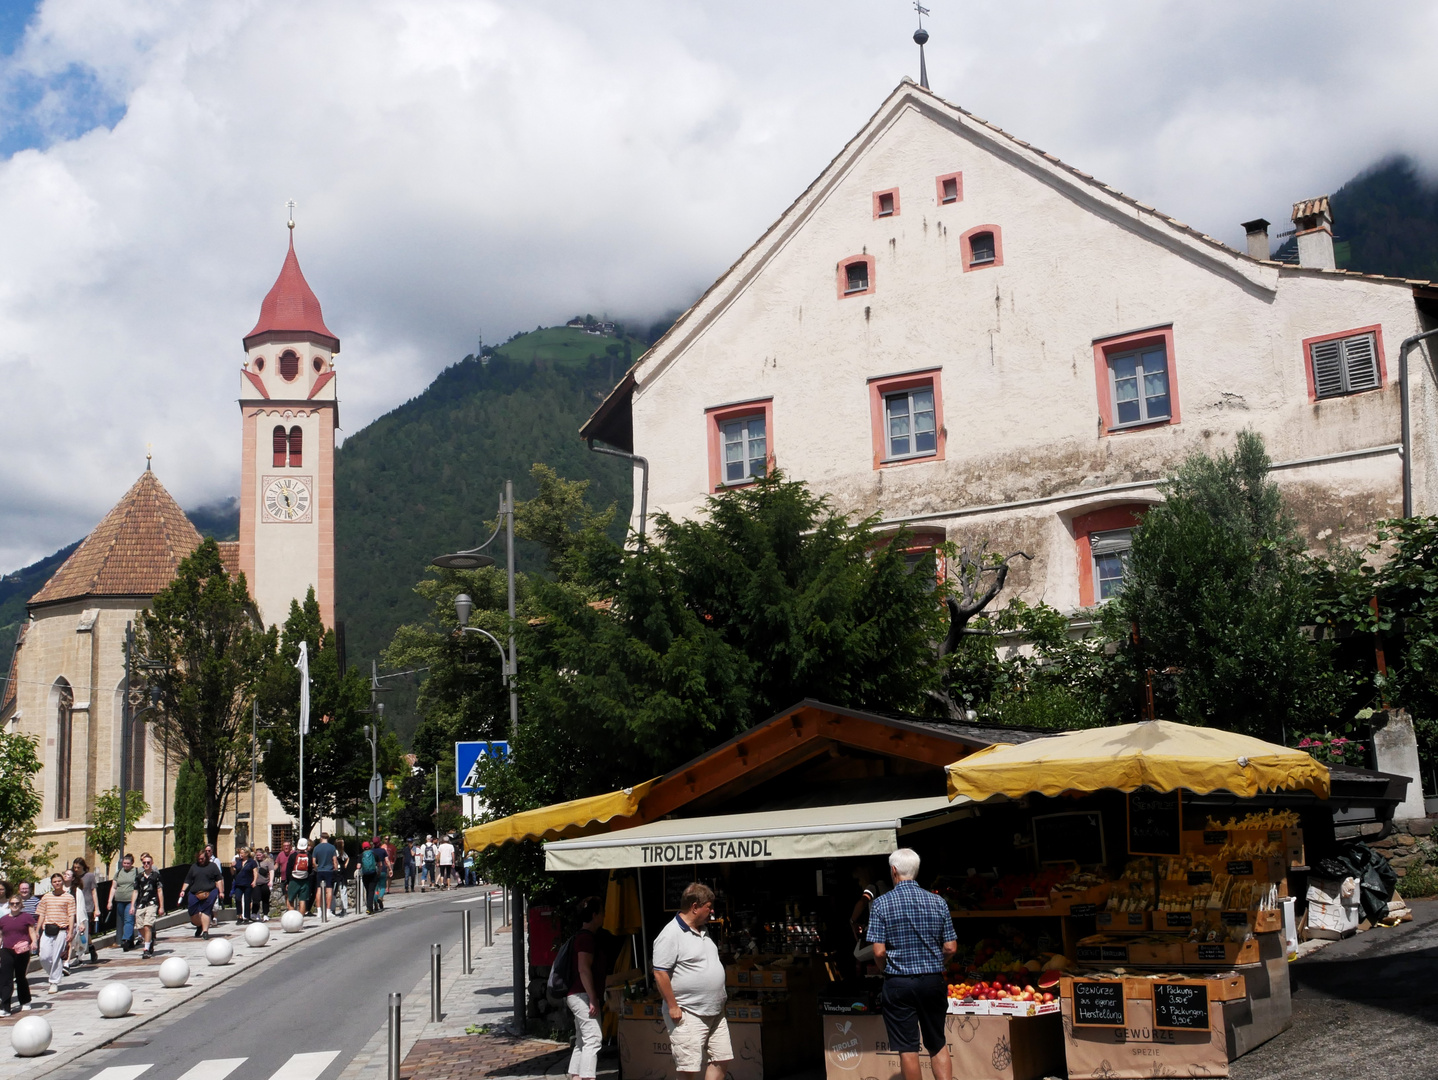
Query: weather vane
pixel 290 206
pixel 920 36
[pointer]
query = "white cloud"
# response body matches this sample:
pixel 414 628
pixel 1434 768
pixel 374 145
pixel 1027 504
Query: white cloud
pixel 464 165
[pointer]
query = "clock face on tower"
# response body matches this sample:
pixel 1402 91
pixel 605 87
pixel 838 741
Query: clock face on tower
pixel 287 498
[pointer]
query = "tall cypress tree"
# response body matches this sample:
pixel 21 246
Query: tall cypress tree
pixel 189 812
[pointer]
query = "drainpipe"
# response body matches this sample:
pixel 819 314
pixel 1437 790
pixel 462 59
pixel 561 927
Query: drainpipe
pixel 1403 350
pixel 643 464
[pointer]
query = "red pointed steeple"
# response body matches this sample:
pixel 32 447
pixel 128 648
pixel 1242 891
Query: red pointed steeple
pixel 291 309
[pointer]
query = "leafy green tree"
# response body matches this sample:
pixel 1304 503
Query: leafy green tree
pixel 1218 592
pixel 20 806
pixel 103 821
pixel 337 754
pixel 209 650
pixel 189 812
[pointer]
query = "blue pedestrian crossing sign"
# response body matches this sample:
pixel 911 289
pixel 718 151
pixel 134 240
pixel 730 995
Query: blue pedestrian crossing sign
pixel 467 758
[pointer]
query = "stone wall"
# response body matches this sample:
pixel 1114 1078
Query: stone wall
pixel 1400 846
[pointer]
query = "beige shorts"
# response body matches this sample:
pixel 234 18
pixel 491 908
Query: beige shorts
pixel 146 916
pixel 695 1038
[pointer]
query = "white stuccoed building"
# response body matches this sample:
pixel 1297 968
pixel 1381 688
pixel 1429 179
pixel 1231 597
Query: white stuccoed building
pixel 961 333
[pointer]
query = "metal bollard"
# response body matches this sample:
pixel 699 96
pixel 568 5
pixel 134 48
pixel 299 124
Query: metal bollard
pixel 434 951
pixel 488 917
pixel 394 1037
pixel 504 910
pixel 466 946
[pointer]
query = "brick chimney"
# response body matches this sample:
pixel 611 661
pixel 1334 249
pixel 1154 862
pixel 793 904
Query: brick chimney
pixel 1313 229
pixel 1257 231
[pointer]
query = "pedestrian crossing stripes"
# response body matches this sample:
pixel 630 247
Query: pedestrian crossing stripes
pixel 298 1067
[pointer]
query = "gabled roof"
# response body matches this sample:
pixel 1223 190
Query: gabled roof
pixel 291 309
pixel 609 421
pixel 134 551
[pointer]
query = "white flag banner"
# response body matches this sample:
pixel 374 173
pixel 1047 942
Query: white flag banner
pixel 304 666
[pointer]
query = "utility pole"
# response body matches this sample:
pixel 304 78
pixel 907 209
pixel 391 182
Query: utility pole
pixel 254 764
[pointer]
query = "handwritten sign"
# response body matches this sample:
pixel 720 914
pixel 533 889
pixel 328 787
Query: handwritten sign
pixel 1178 918
pixel 1099 1004
pixel 1180 1006
pixel 1072 837
pixel 1200 877
pixel 1209 952
pixel 1083 910
pixel 1155 822
pixel 1234 918
pixel 1215 837
pixel 1113 954
pixel 1243 868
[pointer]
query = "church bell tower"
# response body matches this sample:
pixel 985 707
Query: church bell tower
pixel 289 410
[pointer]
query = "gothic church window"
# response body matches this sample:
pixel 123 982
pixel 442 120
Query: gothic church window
pixel 64 698
pixel 296 446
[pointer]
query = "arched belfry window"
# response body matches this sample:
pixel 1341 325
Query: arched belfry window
pixel 63 698
pixel 297 439
pixel 281 445
pixel 289 365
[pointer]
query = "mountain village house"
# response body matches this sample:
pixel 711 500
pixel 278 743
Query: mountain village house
pixel 957 331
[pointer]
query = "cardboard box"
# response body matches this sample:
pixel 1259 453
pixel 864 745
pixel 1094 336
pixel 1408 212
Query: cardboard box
pixel 982 1048
pixel 1137 1050
pixel 645 1054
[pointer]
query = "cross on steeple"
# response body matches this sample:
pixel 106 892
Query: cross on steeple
pixel 920 36
pixel 290 206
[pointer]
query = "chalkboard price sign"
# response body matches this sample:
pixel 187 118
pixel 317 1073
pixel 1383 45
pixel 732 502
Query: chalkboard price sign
pixel 1099 1004
pixel 1113 954
pixel 1207 952
pixel 1135 918
pixel 1235 918
pixel 1179 918
pixel 1243 868
pixel 1072 837
pixel 1089 954
pixel 1215 837
pixel 1083 910
pixel 1200 877
pixel 1180 1006
pixel 1155 821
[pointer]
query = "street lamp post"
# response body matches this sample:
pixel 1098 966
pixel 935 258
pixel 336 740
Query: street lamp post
pixel 127 721
pixel 475 559
pixel 372 733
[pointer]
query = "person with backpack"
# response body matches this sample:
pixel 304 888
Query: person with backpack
pixel 576 966
pixel 301 868
pixel 369 871
pixel 431 858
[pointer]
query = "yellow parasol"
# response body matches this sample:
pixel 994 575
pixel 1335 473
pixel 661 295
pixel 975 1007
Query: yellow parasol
pixel 560 820
pixel 1157 754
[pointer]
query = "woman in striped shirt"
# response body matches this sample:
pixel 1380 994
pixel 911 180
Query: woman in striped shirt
pixel 56 916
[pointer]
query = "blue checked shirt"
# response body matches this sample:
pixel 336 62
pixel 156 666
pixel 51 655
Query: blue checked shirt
pixel 913 926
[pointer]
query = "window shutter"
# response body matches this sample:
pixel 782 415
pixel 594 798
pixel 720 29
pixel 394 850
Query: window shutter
pixel 1327 368
pixel 281 444
pixel 1107 543
pixel 1360 362
pixel 296 447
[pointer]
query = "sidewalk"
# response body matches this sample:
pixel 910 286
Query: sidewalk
pixel 485 999
pixel 75 1017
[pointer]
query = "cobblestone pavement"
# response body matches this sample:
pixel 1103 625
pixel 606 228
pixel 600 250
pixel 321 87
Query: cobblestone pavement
pixel 1366 1006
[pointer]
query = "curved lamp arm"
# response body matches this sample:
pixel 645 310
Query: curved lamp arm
pixel 503 659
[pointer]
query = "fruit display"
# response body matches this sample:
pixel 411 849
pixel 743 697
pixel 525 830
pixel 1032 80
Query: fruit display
pixel 1008 952
pixel 998 990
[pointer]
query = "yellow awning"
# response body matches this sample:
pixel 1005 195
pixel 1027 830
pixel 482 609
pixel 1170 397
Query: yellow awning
pixel 560 820
pixel 1159 754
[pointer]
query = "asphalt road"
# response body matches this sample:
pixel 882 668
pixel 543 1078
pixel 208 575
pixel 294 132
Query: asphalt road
pixel 301 1016
pixel 1367 1006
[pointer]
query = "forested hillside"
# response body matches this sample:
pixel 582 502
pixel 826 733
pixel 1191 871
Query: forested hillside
pixel 1385 221
pixel 426 478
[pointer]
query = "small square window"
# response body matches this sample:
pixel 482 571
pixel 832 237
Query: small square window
pixel 1138 386
pixel 856 277
pixel 909 423
pixel 1110 551
pixel 886 204
pixel 745 449
pixel 981 248
pixel 1344 366
pixel 951 189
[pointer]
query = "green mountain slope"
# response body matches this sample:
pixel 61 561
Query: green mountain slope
pixel 1386 218
pixel 17 588
pixel 424 479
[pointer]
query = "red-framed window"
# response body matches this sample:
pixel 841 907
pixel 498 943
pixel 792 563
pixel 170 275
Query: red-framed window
pixel 1102 539
pixel 1137 380
pixel 949 188
pixel 297 446
pixel 922 543
pixel 982 247
pixel 281 446
pixel 289 365
pixel 906 413
pixel 886 203
pixel 741 442
pixel 856 276
pixel 1348 362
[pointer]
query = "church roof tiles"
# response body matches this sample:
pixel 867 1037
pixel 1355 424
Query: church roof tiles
pixel 134 551
pixel 291 308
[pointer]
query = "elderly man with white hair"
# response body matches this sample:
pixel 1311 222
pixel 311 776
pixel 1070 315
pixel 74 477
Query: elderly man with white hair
pixel 913 937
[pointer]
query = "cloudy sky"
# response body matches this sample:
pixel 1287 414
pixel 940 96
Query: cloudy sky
pixel 471 167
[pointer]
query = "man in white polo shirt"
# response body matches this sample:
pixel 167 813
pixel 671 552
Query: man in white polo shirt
pixel 691 979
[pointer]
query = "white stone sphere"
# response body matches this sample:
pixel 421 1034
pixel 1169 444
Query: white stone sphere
pixel 174 972
pixel 292 922
pixel 114 1000
pixel 219 952
pixel 257 935
pixel 31 1036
